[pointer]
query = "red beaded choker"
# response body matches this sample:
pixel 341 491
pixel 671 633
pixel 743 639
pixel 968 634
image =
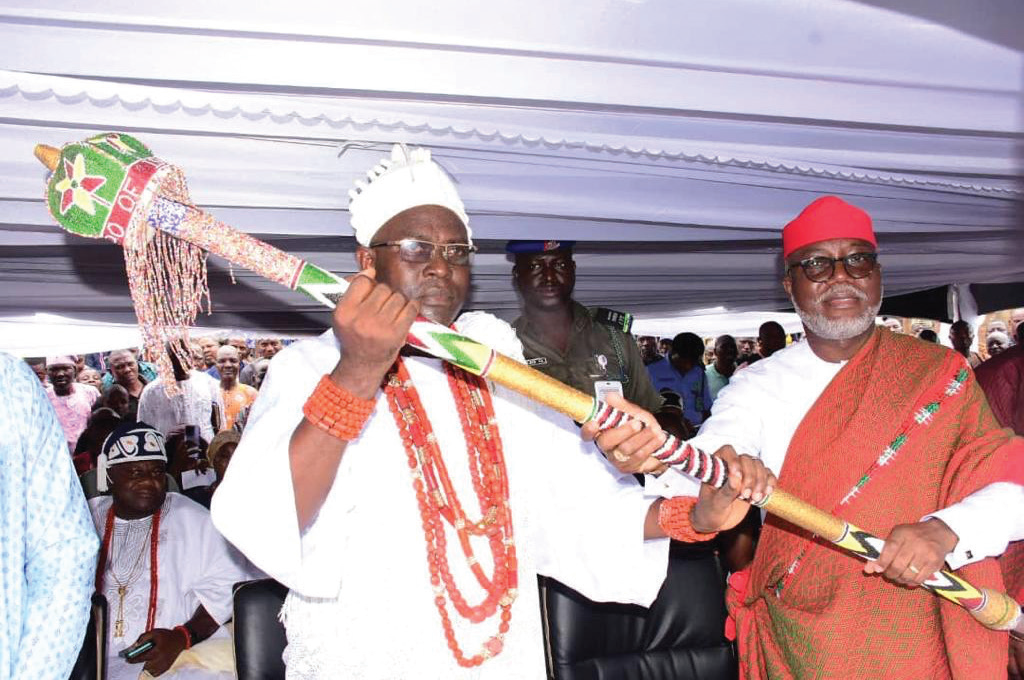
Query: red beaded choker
pixel 439 504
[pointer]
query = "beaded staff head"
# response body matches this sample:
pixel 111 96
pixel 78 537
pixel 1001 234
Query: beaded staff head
pixel 128 443
pixel 409 178
pixel 104 187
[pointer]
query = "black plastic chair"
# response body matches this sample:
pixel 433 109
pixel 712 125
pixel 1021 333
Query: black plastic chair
pixel 92 659
pixel 260 637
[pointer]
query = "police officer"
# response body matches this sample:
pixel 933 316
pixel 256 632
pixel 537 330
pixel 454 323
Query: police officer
pixel 589 349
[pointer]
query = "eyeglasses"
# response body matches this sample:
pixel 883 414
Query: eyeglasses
pixel 820 269
pixel 415 251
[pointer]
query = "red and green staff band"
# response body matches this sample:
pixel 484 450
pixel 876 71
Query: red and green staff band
pixel 111 186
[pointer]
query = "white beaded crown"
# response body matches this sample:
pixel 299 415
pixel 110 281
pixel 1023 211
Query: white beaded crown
pixel 407 179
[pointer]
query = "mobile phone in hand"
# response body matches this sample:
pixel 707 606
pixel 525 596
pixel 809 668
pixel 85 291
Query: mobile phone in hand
pixel 129 653
pixel 192 436
pixel 193 444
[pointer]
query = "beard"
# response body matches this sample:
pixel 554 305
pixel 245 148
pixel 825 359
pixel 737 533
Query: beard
pixel 838 329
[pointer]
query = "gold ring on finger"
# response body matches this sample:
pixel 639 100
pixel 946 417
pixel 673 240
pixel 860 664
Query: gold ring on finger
pixel 914 569
pixel 620 456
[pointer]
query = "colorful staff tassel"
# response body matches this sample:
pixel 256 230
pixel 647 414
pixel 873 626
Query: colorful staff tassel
pixel 168 282
pixel 167 279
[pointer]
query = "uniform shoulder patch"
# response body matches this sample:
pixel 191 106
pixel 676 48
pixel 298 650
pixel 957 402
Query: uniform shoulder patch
pixel 622 321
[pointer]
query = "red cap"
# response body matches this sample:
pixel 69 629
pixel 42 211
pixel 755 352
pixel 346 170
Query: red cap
pixel 826 218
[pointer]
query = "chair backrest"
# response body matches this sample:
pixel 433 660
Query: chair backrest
pixel 92 659
pixel 259 636
pixel 680 637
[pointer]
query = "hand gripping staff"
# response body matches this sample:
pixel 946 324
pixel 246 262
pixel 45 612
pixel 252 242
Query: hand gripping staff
pixel 111 186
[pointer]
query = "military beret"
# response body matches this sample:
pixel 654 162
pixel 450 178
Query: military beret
pixel 522 247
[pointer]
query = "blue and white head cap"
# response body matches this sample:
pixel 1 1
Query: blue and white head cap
pixel 129 443
pixel 409 178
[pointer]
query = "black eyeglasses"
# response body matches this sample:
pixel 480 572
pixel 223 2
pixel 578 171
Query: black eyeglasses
pixel 820 269
pixel 415 251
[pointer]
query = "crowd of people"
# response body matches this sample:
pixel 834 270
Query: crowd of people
pixel 328 464
pixel 722 357
pixel 93 393
pixel 220 387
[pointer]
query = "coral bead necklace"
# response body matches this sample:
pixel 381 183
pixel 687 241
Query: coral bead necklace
pixel 439 504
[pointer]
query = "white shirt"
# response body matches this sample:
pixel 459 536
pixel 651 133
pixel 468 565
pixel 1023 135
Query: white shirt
pixel 758 412
pixel 194 566
pixel 361 604
pixel 193 405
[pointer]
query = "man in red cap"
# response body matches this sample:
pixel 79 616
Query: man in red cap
pixel 885 431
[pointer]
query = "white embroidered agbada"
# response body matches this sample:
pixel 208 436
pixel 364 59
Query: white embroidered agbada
pixel 194 566
pixel 361 604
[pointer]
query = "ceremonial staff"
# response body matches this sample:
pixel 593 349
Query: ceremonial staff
pixel 111 186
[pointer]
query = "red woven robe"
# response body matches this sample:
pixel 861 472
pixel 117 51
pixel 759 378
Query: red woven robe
pixel 829 620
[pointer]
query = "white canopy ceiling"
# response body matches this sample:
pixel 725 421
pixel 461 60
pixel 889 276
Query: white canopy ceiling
pixel 671 138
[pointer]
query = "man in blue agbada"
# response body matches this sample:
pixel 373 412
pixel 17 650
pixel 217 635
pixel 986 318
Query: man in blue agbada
pixel 47 541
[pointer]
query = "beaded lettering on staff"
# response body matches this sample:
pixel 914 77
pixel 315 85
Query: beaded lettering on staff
pixel 144 198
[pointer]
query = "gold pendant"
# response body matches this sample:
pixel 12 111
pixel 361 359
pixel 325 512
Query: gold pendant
pixel 119 623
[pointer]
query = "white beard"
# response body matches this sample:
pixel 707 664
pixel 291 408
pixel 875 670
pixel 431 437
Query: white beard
pixel 838 329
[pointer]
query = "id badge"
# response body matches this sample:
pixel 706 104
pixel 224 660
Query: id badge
pixel 602 388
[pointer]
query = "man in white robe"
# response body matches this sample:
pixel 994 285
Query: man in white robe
pixel 195 569
pixel 337 521
pixel 197 403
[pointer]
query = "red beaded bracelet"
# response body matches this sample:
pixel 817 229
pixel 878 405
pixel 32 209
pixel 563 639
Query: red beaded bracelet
pixel 337 411
pixel 674 520
pixel 187 634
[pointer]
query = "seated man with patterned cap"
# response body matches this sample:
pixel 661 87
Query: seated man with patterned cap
pixel 165 571
pixel 889 433
pixel 424 460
